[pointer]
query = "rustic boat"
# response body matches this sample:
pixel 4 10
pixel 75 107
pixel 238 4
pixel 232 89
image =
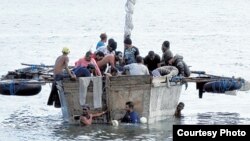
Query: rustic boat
pixel 216 84
pixel 153 98
pixel 25 81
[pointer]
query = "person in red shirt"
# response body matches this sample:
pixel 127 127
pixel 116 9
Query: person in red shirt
pixel 88 59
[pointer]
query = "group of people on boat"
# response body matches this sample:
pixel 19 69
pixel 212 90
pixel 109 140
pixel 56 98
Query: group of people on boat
pixel 107 61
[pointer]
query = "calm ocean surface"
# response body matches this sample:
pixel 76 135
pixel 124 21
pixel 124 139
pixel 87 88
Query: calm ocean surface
pixel 213 36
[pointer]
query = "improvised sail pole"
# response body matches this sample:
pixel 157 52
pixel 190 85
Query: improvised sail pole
pixel 129 8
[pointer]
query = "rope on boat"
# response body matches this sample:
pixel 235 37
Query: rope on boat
pixel 12 88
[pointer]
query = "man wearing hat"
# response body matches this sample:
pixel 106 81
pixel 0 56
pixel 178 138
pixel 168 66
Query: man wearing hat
pixel 60 64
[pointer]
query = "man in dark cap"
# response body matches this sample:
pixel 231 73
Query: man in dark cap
pixel 152 61
pixel 130 52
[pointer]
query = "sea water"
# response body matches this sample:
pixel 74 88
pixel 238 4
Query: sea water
pixel 213 36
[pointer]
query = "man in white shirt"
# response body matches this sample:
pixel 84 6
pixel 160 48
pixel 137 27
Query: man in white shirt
pixel 137 68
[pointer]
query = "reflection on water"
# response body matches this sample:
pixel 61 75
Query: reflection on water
pixel 212 118
pixel 157 131
pixel 25 126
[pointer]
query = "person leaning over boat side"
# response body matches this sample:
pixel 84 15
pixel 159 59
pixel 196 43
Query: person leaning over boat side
pixel 60 64
pixel 112 72
pixel 98 57
pixel 130 52
pixel 152 61
pixel 131 116
pixel 86 118
pixel 84 71
pixel 108 59
pixel 165 71
pixel 103 40
pixel 182 67
pixel 102 60
pixel 119 66
pixel 137 68
pixel 167 54
pixel 119 63
pixel 87 59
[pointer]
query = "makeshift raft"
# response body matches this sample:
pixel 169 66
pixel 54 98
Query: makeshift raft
pixel 20 87
pixel 214 84
pixel 153 99
pixel 26 81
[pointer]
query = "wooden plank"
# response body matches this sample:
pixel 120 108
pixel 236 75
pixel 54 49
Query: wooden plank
pixel 130 80
pixel 131 87
pixel 118 96
pixel 197 79
pixel 126 77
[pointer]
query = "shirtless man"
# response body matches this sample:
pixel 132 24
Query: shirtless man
pixel 60 64
pixel 86 118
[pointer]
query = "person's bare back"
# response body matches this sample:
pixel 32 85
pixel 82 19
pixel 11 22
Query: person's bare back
pixel 60 64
